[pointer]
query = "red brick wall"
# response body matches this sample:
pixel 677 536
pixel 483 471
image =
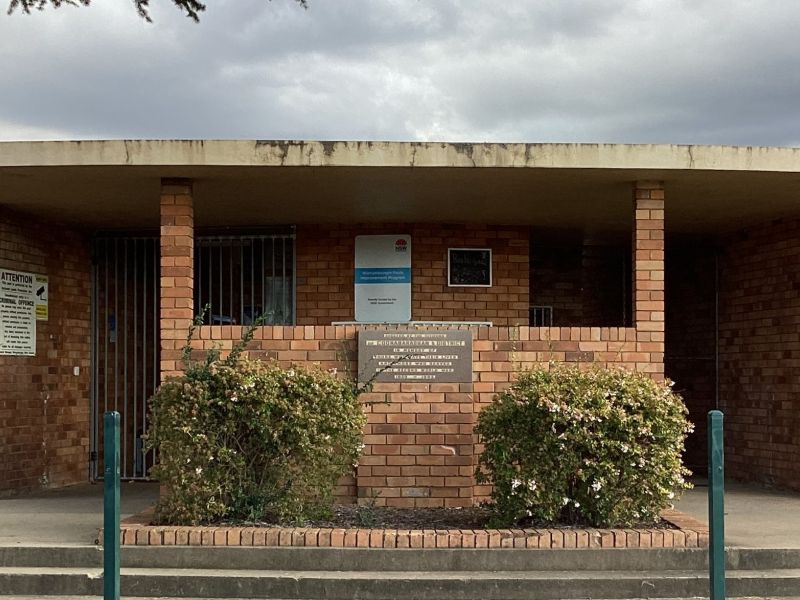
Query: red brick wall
pixel 585 284
pixel 325 265
pixel 420 448
pixel 44 407
pixel 760 353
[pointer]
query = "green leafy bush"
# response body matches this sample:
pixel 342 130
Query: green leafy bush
pixel 600 447
pixel 240 439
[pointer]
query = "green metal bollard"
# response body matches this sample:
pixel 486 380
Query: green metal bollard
pixel 111 495
pixel 716 506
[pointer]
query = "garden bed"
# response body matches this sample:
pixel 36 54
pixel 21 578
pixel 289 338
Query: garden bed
pixel 346 516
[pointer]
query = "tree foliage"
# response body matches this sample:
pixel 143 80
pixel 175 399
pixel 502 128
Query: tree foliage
pixel 192 8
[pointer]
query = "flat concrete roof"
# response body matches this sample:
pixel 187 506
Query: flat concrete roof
pixel 108 184
pixel 270 153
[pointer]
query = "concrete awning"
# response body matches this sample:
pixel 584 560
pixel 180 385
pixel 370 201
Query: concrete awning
pixel 115 184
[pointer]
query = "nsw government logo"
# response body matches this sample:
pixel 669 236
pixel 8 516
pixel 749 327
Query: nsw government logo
pixel 401 245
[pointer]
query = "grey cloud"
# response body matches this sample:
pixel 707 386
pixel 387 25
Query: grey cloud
pixel 707 71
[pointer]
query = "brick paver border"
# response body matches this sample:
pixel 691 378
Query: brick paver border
pixel 688 533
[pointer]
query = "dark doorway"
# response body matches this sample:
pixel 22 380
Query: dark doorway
pixel 690 357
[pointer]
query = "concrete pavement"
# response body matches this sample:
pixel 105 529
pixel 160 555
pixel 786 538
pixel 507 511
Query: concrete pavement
pixel 755 517
pixel 68 516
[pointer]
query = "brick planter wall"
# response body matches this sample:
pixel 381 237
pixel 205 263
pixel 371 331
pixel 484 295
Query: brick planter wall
pixel 686 533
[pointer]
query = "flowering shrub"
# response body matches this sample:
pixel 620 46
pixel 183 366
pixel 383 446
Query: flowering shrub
pixel 601 447
pixel 243 440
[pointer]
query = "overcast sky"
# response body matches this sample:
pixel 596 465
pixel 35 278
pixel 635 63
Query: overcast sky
pixel 651 71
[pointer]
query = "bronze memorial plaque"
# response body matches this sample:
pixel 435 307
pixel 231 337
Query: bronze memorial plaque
pixel 435 356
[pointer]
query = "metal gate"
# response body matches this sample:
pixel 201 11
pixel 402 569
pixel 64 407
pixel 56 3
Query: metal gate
pixel 237 277
pixel 125 346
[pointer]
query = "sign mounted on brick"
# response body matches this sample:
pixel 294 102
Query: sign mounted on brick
pixel 41 290
pixel 469 267
pixel 17 313
pixel 414 356
pixel 383 278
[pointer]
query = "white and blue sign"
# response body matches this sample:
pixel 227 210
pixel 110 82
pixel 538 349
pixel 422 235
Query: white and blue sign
pixel 383 278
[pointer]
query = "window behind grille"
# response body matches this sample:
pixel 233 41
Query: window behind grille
pixel 541 316
pixel 241 277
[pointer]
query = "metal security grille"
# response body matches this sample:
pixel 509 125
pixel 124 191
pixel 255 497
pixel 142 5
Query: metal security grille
pixel 125 346
pixel 541 316
pixel 239 278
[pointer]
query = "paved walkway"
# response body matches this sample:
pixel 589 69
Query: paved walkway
pixel 69 516
pixel 755 517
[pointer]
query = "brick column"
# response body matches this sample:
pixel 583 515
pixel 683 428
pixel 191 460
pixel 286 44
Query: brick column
pixel 177 271
pixel 648 276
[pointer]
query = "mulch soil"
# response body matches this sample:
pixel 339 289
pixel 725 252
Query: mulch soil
pixel 382 517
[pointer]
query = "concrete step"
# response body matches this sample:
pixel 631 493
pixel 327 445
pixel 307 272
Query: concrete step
pixel 363 559
pixel 391 585
pixel 373 574
pixel 51 556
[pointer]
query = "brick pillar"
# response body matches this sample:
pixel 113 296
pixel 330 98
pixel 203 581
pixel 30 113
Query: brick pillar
pixel 648 276
pixel 177 271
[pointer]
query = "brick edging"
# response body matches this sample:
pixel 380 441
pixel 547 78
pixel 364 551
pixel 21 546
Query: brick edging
pixel 692 534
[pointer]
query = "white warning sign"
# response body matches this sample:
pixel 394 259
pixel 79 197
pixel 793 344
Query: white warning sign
pixel 17 313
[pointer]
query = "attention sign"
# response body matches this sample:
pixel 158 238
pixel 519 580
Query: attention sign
pixel 442 356
pixel 17 313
